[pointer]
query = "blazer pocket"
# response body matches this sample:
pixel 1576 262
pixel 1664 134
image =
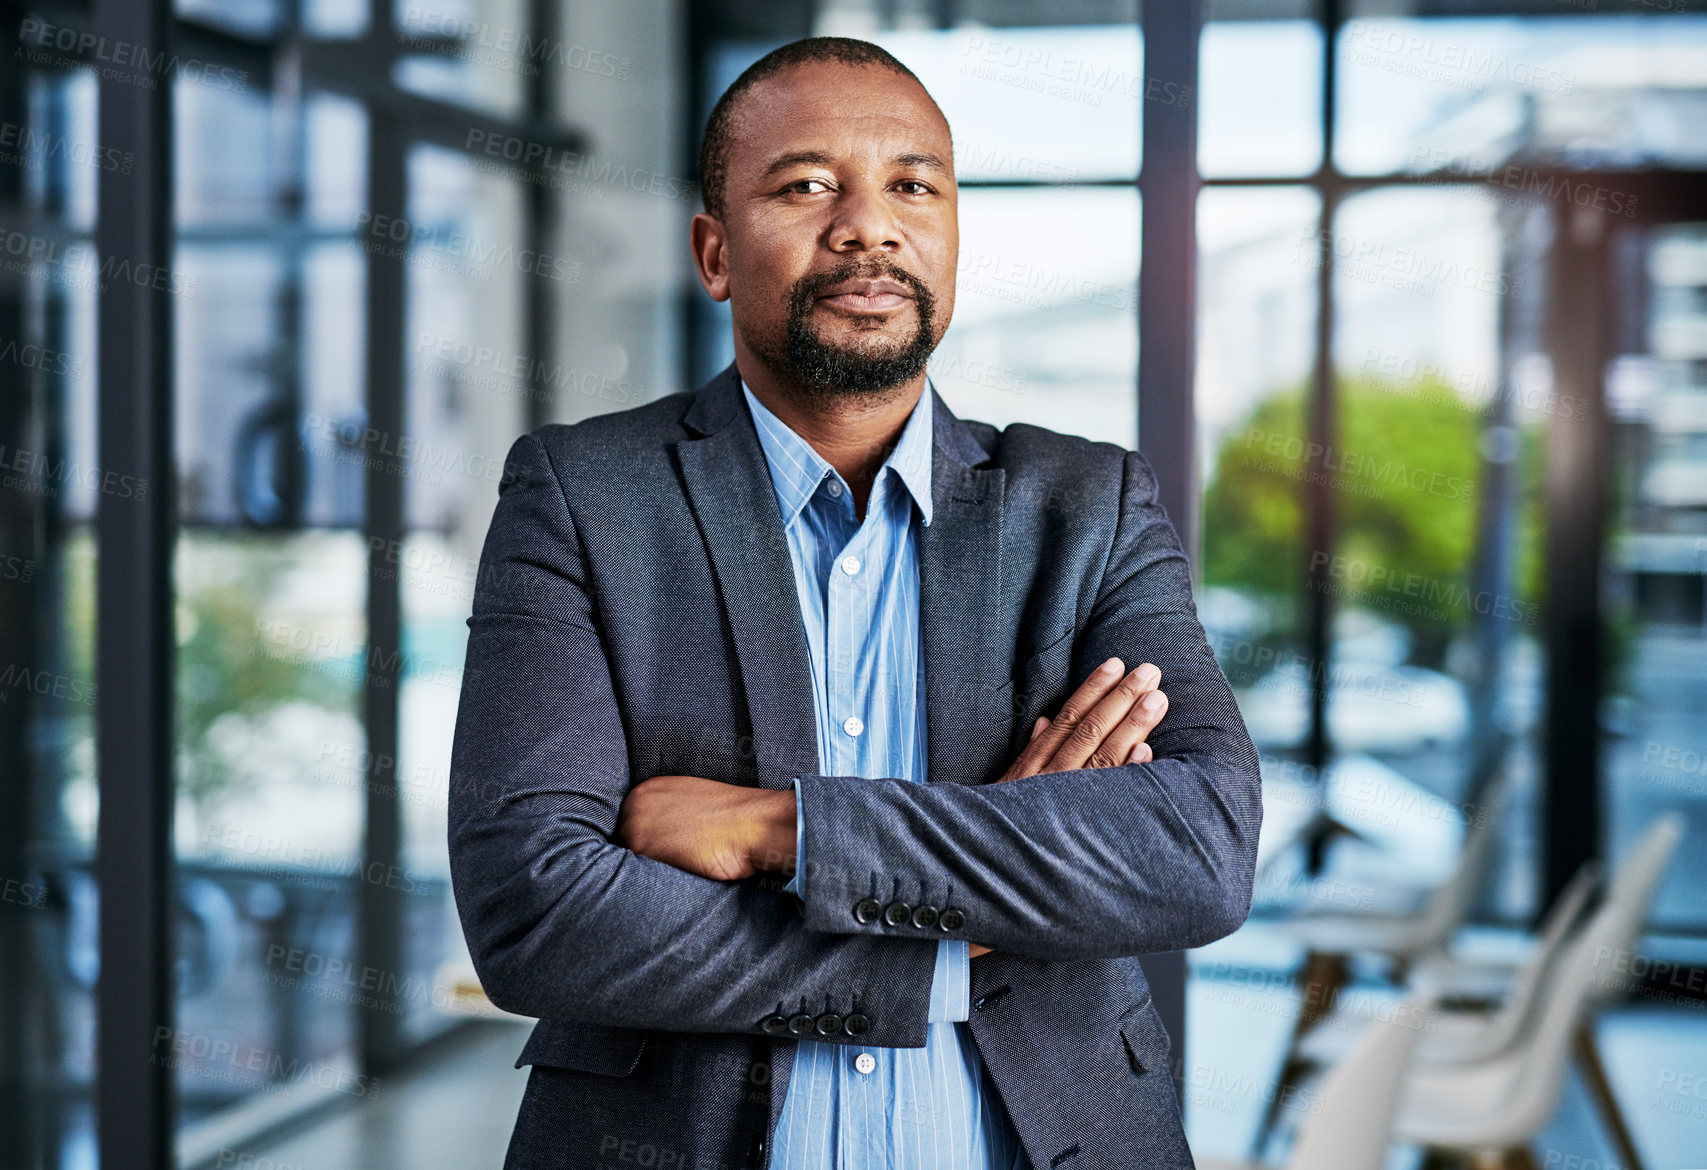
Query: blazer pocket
pixel 1146 1039
pixel 594 1048
pixel 1040 673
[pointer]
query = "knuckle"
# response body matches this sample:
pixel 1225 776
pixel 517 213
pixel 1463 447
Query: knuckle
pixel 1095 725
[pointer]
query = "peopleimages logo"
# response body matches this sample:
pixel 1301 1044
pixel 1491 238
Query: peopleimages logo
pixel 1350 466
pixel 23 145
pixel 1369 581
pixel 39 475
pixel 1402 49
pixel 1402 266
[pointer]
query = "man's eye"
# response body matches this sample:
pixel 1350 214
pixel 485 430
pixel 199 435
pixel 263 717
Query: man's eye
pixel 796 186
pixel 923 188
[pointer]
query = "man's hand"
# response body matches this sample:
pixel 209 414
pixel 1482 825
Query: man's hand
pixel 1103 723
pixel 724 832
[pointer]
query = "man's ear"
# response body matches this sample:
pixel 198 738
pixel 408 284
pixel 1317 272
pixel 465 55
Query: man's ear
pixel 710 256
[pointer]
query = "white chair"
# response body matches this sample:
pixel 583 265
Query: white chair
pixel 1403 938
pixel 1353 1127
pixel 1331 939
pixel 1462 1037
pixel 1492 1109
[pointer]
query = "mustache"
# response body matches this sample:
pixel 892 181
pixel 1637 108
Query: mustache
pixel 809 286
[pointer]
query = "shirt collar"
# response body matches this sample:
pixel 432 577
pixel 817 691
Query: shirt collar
pixel 797 470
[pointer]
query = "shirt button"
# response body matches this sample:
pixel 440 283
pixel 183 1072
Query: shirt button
pixel 834 487
pixel 865 1062
pixel 853 725
pixel 850 565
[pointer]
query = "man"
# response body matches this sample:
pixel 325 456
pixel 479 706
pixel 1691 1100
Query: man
pixel 793 623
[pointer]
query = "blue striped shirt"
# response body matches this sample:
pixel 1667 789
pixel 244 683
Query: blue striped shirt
pixel 851 1107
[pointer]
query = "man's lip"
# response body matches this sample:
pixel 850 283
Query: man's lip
pixel 859 302
pixel 873 288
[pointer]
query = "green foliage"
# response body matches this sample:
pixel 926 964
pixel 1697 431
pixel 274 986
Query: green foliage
pixel 225 667
pixel 1404 472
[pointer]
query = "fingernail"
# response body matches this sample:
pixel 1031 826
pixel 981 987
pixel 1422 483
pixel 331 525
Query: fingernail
pixel 1109 667
pixel 1153 701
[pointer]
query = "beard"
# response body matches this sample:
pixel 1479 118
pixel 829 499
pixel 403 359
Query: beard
pixel 864 367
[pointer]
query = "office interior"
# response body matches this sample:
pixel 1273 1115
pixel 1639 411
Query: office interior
pixel 1406 301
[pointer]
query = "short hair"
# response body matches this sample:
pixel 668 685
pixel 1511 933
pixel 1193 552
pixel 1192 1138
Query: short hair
pixel 714 145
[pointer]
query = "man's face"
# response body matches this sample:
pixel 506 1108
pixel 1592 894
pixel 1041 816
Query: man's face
pixel 840 235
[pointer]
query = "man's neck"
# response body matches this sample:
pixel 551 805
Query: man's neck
pixel 853 434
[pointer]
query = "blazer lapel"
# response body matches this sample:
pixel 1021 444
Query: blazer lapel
pixel 960 576
pixel 729 488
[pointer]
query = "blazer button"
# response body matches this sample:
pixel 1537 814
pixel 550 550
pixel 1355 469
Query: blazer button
pixel 951 920
pixel 801 1024
pixel 775 1025
pixel 855 1024
pixel 896 913
pixel 867 910
pixel 756 1150
pixel 924 916
pixel 829 1024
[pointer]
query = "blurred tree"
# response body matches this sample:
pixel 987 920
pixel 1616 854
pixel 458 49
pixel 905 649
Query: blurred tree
pixel 1404 472
pixel 226 667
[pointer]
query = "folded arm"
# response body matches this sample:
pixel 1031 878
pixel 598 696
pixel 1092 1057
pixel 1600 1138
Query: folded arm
pixel 563 922
pixel 1085 863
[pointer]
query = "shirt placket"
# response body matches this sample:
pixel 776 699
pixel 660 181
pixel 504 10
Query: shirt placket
pixel 849 618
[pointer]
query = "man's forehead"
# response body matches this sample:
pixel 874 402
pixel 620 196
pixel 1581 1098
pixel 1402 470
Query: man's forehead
pixel 863 108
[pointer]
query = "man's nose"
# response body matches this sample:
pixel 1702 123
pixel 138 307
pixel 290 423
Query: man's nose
pixel 864 221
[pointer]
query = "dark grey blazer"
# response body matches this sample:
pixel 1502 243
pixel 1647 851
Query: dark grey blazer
pixel 635 615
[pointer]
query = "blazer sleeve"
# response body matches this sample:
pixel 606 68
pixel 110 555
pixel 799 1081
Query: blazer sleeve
pixel 560 921
pixel 1084 863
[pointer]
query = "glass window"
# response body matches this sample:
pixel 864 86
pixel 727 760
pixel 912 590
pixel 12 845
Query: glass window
pixel 1656 597
pixel 1256 322
pixel 50 485
pixel 271 651
pixel 1471 95
pixel 467 268
pixel 1435 470
pixel 1045 324
pixel 1261 109
pixel 271 581
pixel 253 17
pixel 479 53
